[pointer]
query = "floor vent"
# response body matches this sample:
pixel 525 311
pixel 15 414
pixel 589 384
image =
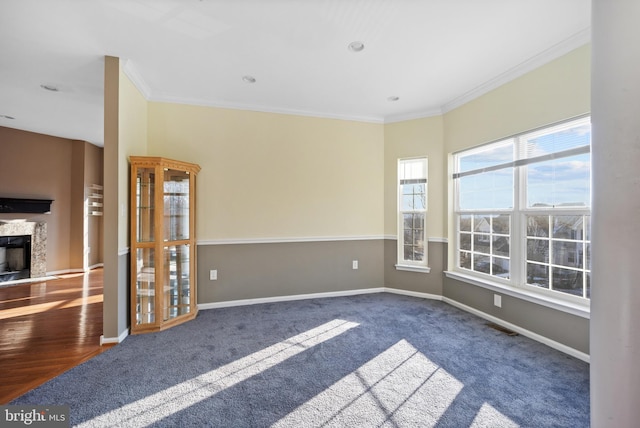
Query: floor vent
pixel 502 329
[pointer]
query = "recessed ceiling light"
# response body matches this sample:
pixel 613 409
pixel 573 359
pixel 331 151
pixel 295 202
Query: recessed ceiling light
pixel 249 79
pixel 50 88
pixel 4 116
pixel 393 99
pixel 356 46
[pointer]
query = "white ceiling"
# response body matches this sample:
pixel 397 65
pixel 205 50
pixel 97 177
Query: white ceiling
pixel 432 54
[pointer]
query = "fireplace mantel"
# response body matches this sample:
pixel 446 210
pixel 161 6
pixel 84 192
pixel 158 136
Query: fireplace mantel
pixel 25 206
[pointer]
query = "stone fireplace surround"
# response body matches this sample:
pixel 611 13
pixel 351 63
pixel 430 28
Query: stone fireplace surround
pixel 37 230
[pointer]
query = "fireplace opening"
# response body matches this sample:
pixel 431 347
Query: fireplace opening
pixel 15 257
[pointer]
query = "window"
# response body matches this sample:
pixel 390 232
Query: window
pixel 523 210
pixel 412 213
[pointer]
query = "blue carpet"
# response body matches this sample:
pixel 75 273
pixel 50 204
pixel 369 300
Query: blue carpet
pixel 369 360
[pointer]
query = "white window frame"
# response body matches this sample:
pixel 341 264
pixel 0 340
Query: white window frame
pixel 402 263
pixel 517 281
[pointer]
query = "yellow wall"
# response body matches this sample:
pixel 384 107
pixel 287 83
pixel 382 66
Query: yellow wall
pixel 414 138
pixel 553 92
pixel 267 175
pixel 132 140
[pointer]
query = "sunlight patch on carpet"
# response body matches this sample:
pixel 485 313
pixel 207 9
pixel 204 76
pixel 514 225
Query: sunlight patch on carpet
pixel 155 407
pixel 489 417
pixel 400 386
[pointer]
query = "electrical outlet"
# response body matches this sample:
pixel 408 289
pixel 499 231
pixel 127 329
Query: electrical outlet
pixel 354 264
pixel 213 274
pixel 497 300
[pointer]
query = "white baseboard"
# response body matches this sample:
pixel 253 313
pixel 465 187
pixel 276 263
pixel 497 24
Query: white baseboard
pixel 413 293
pixel 27 280
pixel 65 271
pixel 116 340
pixel 531 335
pixel 68 271
pixel 244 302
pixel 527 333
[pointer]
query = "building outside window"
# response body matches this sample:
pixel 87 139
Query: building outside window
pixel 523 210
pixel 412 214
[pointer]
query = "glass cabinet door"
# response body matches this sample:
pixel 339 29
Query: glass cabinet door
pixel 145 203
pixel 177 286
pixel 145 286
pixel 176 205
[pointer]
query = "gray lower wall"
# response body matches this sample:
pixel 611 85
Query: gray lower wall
pixel 251 271
pixel 430 283
pixel 564 328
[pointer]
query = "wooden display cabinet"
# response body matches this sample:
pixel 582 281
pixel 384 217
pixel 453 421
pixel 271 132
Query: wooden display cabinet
pixel 163 248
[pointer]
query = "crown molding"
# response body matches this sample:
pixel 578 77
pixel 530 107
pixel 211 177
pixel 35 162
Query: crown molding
pixel 413 115
pixel 132 73
pixel 577 40
pixel 263 109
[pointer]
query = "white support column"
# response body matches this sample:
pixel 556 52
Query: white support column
pixel 615 306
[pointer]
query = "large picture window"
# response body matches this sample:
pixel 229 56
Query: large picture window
pixel 412 212
pixel 523 209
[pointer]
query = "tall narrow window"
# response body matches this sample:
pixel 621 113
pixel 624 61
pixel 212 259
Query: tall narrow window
pixel 412 212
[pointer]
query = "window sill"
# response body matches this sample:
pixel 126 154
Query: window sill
pixel 409 268
pixel 576 309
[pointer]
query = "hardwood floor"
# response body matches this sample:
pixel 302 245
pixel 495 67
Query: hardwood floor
pixel 47 328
